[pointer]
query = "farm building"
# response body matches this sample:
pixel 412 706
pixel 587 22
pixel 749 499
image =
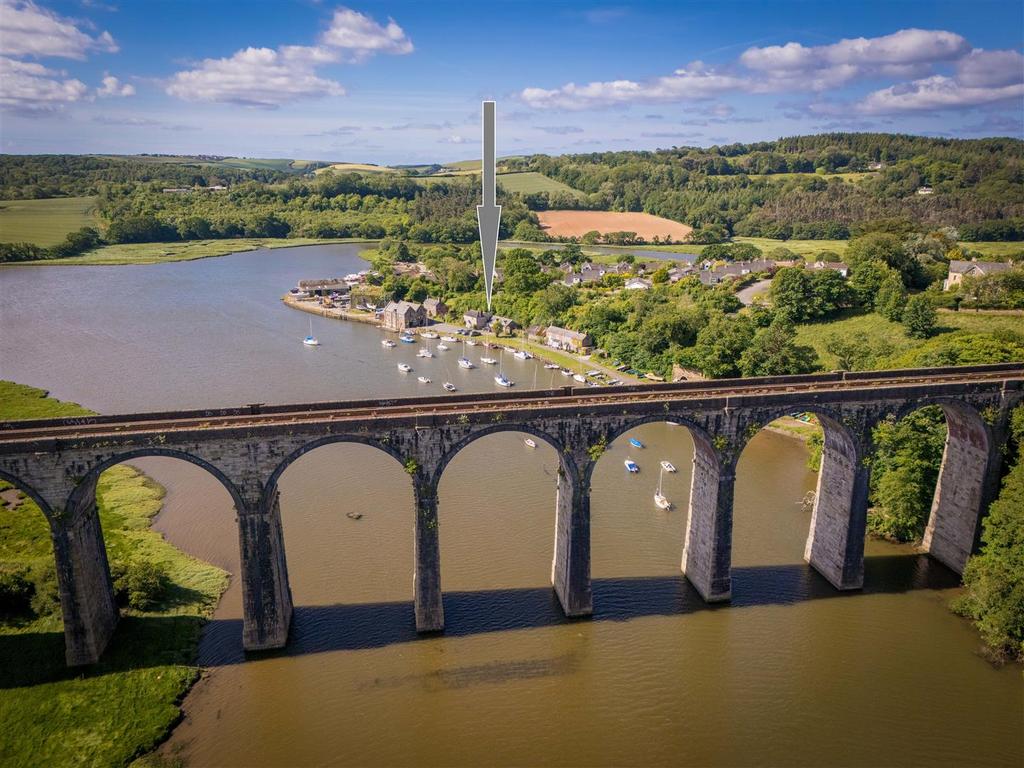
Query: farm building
pixel 403 314
pixel 565 339
pixel 959 269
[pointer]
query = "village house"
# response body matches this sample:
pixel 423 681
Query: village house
pixel 678 273
pixel 569 341
pixel 435 307
pixel 536 333
pixel 476 320
pixel 959 269
pixel 589 275
pixel 638 284
pixel 403 314
pixel 711 275
pixel 504 324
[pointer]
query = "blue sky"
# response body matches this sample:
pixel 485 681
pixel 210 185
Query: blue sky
pixel 394 82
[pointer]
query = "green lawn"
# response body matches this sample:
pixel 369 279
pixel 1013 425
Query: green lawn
pixel 115 711
pixel 154 253
pixel 994 249
pixel 44 222
pixel 531 181
pixel 880 331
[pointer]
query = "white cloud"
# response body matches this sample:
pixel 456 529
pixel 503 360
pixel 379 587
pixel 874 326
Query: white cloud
pixel 934 94
pixel 981 68
pixel 27 86
pixel 269 77
pixel 260 77
pixel 456 140
pixel 114 87
pixel 361 37
pixel 695 81
pixel 28 30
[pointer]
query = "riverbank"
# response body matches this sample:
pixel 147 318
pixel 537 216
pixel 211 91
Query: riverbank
pixel 124 706
pixel 336 313
pixel 158 253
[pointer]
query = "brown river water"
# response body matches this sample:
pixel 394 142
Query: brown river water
pixel 790 673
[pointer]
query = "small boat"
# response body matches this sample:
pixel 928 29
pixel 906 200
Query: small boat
pixel 449 339
pixel 424 353
pixel 405 338
pixel 311 340
pixel 471 342
pixel 631 466
pixel 566 372
pixel 522 354
pixel 404 367
pixel 635 443
pixel 503 381
pixel 423 380
pixel 668 466
pixel 465 362
pixel 593 373
pixel 354 515
pixel 580 378
pixel 488 361
pixel 448 386
pixel 387 343
pixel 513 350
pixel 672 423
pixel 551 366
pixel 442 347
pixel 428 335
pixel 659 497
pixel 530 442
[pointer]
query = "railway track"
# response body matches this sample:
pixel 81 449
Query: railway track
pixel 80 428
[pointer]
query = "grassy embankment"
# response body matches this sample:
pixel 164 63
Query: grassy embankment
pixel 122 707
pixel 45 222
pixel 159 253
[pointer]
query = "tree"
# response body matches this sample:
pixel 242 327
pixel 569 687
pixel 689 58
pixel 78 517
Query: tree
pixel 866 278
pixel 720 345
pixel 891 298
pixel 888 249
pixel 919 317
pixel 774 352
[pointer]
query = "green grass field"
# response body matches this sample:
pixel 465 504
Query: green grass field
pixel 44 222
pixel 531 181
pixel 355 168
pixel 157 253
pixel 124 706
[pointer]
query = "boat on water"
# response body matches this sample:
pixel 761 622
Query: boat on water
pixel 631 466
pixel 424 353
pixel 503 381
pixel 405 338
pixel 566 372
pixel 668 466
pixel 580 378
pixel 471 342
pixel 522 354
pixel 465 362
pixel 442 347
pixel 448 386
pixel 530 442
pixel 404 367
pixel 423 380
pixel 635 443
pixel 488 361
pixel 387 343
pixel 428 335
pixel 551 366
pixel 510 349
pixel 449 339
pixel 311 340
pixel 672 423
pixel 659 497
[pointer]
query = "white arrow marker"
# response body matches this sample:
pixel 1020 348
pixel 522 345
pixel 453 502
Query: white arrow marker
pixel 488 214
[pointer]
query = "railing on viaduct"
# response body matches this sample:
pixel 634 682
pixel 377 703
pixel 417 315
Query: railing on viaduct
pixel 57 463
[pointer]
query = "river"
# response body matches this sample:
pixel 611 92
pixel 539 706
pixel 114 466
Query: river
pixel 790 673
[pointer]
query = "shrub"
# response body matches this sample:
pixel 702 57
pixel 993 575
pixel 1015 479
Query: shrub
pixel 139 584
pixel 16 592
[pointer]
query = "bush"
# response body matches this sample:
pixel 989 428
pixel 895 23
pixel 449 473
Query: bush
pixel 139 584
pixel 16 592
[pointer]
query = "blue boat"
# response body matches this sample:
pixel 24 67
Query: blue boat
pixel 631 465
pixel 407 339
pixel 635 443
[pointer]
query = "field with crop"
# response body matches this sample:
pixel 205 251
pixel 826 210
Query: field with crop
pixel 44 222
pixel 531 181
pixel 356 168
pixel 577 223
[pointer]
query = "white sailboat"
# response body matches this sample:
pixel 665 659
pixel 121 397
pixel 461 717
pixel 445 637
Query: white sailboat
pixel 659 497
pixel 404 367
pixel 465 362
pixel 311 340
pixel 500 379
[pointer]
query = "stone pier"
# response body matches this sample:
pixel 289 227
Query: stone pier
pixel 266 594
pixel 429 605
pixel 707 549
pixel 570 566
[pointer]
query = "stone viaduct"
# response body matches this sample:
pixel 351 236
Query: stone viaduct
pixel 58 462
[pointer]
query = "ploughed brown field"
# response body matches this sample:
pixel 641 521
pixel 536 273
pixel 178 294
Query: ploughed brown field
pixel 576 223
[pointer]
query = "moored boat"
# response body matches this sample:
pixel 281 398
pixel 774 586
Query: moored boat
pixel 566 372
pixel 659 497
pixel 405 338
pixel 448 386
pixel 465 362
pixel 551 366
pixel 668 466
pixel 428 335
pixel 449 339
pixel 503 381
pixel 424 353
pixel 635 443
pixel 423 380
pixel 580 378
pixel 404 367
pixel 387 343
pixel 631 466
pixel 488 361
pixel 530 442
pixel 311 340
pixel 522 354
pixel 442 347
